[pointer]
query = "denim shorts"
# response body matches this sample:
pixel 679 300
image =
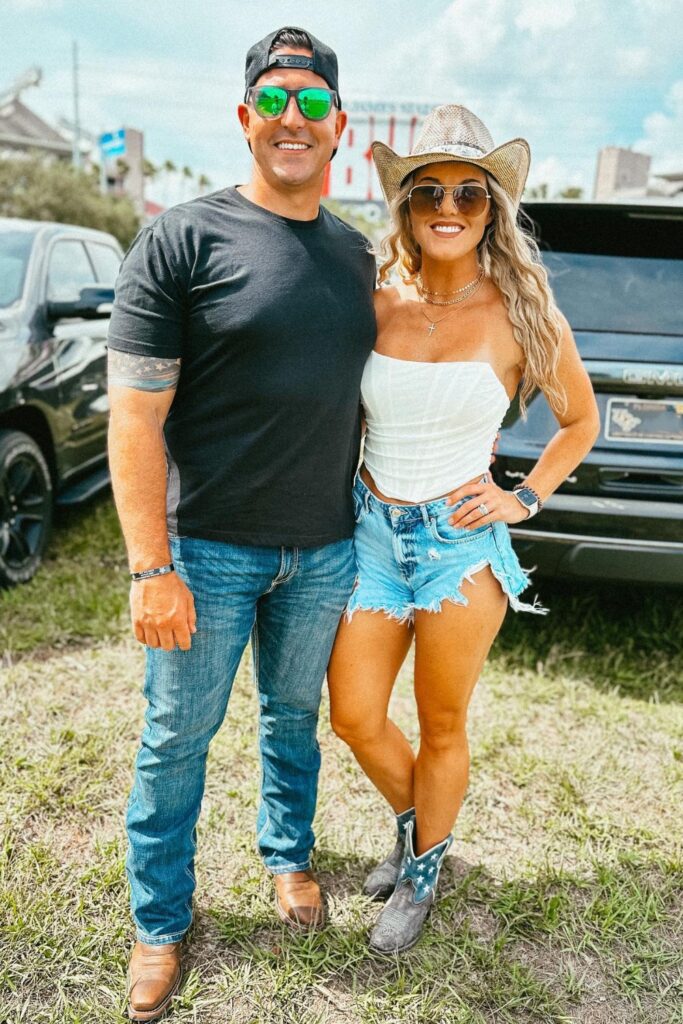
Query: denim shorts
pixel 411 559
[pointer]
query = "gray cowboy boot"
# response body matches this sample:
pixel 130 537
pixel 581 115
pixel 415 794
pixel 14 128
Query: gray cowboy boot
pixel 400 923
pixel 381 881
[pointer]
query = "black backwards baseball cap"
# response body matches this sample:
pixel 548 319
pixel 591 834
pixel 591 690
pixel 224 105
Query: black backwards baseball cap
pixel 261 59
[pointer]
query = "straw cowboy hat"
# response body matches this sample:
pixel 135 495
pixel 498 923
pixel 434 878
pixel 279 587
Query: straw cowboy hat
pixel 451 133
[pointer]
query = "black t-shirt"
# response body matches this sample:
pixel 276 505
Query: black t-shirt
pixel 273 320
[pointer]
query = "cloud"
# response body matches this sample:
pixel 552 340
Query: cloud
pixel 570 77
pixel 663 133
pixel 539 16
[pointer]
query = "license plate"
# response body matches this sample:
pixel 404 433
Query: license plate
pixel 640 421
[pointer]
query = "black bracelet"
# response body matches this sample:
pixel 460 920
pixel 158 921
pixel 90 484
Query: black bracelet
pixel 146 573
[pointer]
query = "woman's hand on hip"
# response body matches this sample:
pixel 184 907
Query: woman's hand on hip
pixel 487 503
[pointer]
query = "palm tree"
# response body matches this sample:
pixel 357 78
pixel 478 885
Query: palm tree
pixel 149 170
pixel 204 183
pixel 188 175
pixel 168 168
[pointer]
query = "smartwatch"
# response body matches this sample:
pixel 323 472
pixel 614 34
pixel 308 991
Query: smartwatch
pixel 527 497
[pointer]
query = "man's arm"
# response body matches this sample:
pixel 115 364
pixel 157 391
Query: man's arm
pixel 141 391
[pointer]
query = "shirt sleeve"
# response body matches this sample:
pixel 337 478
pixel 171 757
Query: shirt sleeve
pixel 148 317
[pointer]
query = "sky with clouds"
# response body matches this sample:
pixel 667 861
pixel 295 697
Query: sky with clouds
pixel 569 75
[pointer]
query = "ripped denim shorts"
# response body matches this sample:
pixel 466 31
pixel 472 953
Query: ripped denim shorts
pixel 410 558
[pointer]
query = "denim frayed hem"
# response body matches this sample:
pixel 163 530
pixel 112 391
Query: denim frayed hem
pixel 407 615
pixel 512 593
pixel 391 613
pixel 160 940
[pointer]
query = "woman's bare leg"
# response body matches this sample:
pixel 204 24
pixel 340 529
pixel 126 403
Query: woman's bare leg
pixel 367 655
pixel 451 647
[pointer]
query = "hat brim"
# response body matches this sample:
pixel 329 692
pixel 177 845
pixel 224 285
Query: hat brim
pixel 509 165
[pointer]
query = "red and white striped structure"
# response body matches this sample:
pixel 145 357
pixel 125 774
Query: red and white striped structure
pixel 352 173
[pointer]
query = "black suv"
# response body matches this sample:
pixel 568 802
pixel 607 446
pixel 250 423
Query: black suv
pixel 617 274
pixel 56 290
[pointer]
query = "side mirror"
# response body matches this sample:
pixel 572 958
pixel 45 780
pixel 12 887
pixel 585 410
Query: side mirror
pixel 95 302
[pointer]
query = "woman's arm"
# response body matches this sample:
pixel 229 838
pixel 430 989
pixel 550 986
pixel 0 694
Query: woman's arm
pixel 579 424
pixel 579 429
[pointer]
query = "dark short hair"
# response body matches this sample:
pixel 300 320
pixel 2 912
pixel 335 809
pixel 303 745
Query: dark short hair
pixel 291 37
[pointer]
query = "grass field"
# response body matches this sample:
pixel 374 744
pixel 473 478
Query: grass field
pixel 561 901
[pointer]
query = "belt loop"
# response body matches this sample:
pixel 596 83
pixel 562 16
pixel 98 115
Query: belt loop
pixel 366 498
pixel 425 515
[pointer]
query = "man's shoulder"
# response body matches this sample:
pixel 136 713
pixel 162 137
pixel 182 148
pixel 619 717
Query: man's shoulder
pixel 346 232
pixel 177 219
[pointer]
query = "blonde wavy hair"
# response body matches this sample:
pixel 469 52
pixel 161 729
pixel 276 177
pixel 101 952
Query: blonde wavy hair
pixel 510 256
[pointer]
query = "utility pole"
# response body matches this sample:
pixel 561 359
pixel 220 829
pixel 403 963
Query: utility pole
pixel 76 151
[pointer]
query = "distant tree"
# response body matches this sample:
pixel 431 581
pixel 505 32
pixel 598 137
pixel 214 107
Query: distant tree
pixel 204 183
pixel 188 175
pixel 169 168
pixel 37 189
pixel 538 191
pixel 122 167
pixel 571 192
pixel 149 170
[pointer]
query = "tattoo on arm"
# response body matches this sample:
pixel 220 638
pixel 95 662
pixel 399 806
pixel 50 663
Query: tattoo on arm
pixel 144 373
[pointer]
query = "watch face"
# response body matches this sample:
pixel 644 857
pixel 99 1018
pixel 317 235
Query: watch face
pixel 526 496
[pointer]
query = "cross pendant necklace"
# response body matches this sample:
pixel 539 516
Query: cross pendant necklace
pixel 472 288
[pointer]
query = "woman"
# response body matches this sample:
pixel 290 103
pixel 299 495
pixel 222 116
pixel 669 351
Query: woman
pixel 470 323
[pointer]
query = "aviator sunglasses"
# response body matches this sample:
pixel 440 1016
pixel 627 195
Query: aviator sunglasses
pixel 270 101
pixel 470 200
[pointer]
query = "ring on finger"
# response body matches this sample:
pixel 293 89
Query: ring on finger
pixel 483 509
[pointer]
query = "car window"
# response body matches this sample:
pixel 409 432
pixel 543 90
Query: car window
pixel 15 248
pixel 69 270
pixel 107 262
pixel 617 293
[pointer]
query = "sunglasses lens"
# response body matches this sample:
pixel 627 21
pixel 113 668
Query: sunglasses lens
pixel 426 199
pixel 270 101
pixel 470 199
pixel 315 104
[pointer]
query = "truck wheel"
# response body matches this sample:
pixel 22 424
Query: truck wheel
pixel 25 507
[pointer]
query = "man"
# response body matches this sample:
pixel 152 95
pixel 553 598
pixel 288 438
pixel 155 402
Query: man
pixel 241 326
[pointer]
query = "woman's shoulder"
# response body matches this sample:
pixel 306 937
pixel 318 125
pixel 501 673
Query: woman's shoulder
pixel 387 298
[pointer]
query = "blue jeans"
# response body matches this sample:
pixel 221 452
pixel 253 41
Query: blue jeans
pixel 289 601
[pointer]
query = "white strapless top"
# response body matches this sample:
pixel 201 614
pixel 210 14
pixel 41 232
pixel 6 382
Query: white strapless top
pixel 430 426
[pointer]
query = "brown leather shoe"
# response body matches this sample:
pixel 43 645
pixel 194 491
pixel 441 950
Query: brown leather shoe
pixel 153 979
pixel 299 901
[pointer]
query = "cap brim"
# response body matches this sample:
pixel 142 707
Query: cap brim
pixel 509 165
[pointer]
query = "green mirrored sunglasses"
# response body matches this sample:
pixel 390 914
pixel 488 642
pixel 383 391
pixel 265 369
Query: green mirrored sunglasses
pixel 270 101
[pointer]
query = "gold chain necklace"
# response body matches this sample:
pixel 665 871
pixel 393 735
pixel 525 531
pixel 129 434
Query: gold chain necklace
pixel 474 287
pixel 422 291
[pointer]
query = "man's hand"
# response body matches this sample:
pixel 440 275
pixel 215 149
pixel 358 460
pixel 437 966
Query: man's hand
pixel 162 612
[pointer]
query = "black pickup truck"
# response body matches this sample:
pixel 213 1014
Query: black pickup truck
pixel 617 274
pixel 56 290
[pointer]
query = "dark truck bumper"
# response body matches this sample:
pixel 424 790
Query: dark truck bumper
pixel 607 538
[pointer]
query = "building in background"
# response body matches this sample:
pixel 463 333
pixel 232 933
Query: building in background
pixel 625 175
pixel 121 160
pixel 620 171
pixel 351 175
pixel 22 131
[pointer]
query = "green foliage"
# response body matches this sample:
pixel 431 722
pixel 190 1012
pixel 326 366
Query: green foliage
pixel 571 192
pixel 37 189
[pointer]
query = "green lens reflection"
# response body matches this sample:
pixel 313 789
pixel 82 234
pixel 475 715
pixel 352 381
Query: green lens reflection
pixel 315 103
pixel 270 101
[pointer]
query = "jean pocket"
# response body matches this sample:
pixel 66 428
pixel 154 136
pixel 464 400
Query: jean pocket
pixel 445 533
